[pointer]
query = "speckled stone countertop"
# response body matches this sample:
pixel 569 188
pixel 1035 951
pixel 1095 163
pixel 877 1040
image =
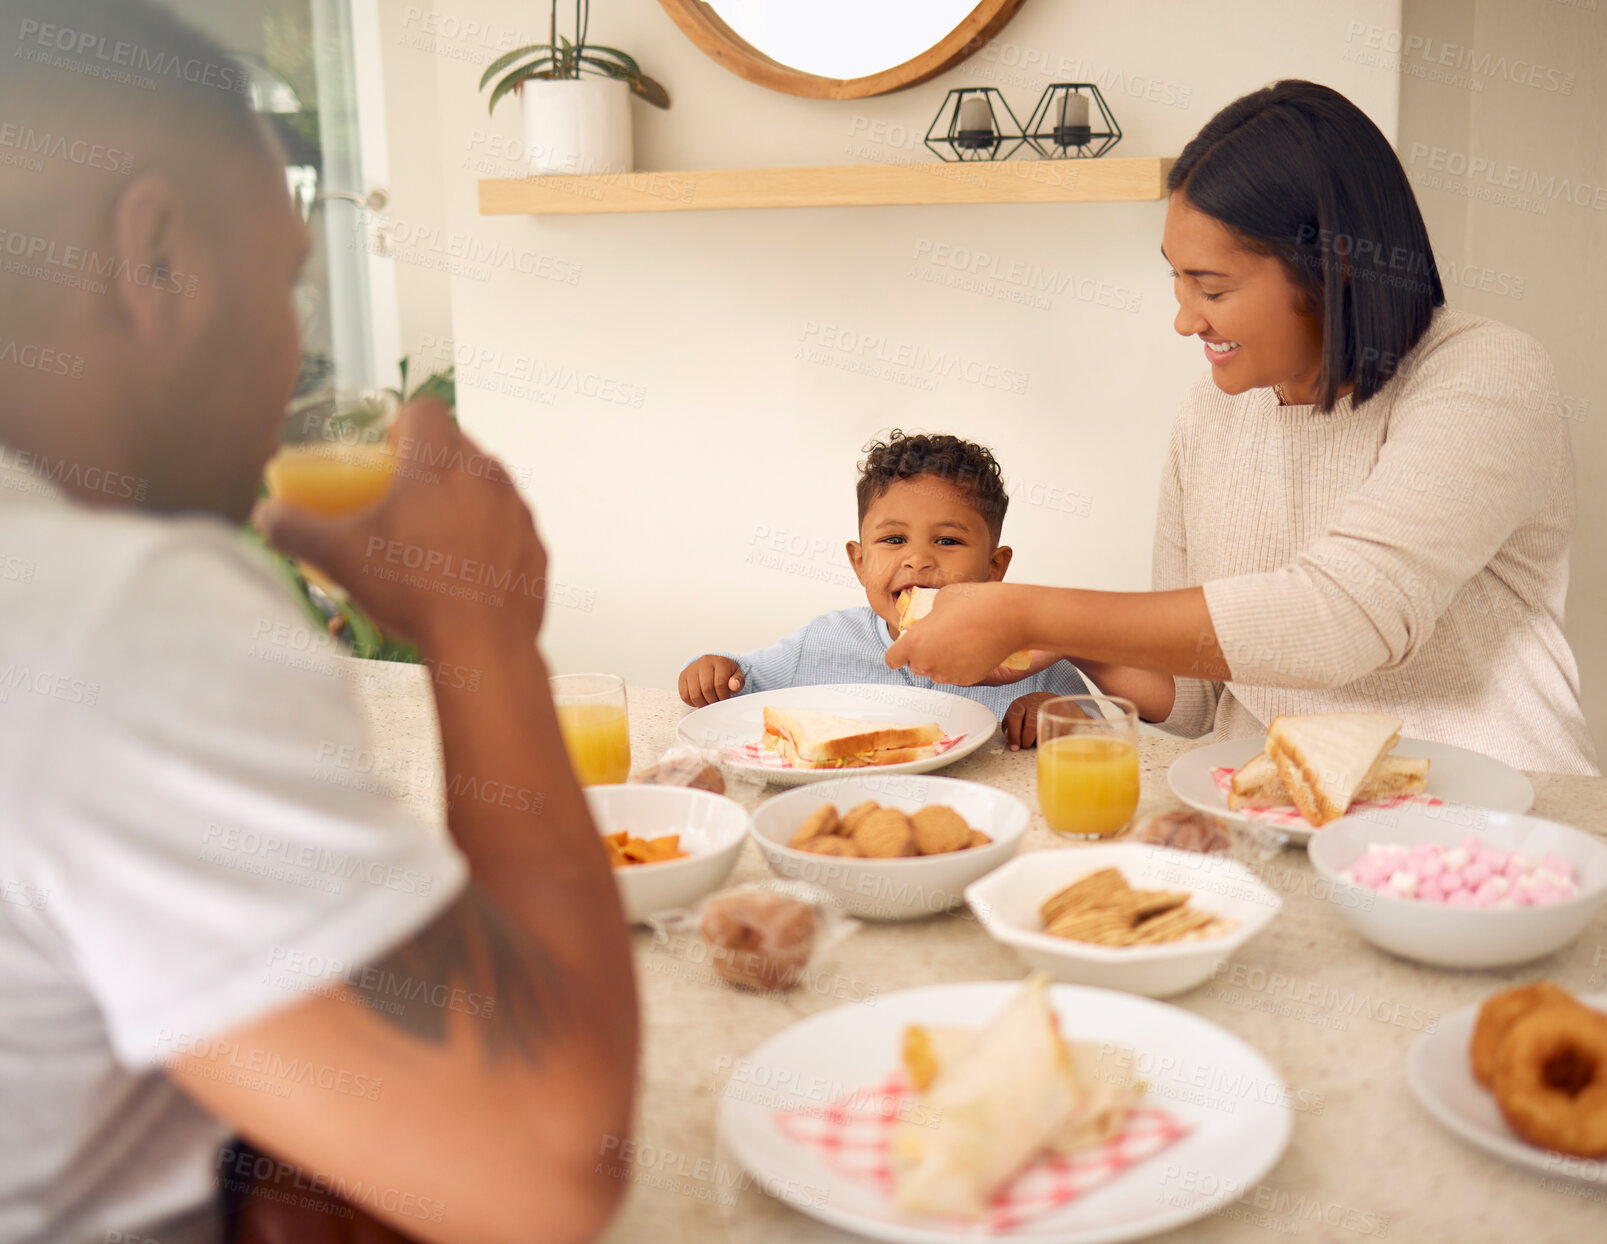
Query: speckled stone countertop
pixel 1333 1014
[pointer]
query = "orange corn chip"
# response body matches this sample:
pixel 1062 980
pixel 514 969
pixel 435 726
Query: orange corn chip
pixel 624 849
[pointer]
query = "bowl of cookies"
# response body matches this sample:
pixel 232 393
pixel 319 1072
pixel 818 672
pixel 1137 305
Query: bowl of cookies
pixel 1461 887
pixel 670 845
pixel 890 846
pixel 1145 919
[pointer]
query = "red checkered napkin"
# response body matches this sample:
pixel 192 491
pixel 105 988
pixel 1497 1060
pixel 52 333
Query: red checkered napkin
pixel 855 1133
pixel 759 754
pixel 1290 816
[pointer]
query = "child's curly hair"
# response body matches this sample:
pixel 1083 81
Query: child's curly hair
pixel 964 464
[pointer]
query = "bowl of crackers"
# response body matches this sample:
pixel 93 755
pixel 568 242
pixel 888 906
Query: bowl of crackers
pixel 890 846
pixel 670 845
pixel 1145 919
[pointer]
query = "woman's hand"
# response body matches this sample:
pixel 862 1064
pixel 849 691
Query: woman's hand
pixel 1003 675
pixel 970 631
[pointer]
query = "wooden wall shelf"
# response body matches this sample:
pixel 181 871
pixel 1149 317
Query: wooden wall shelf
pixel 854 185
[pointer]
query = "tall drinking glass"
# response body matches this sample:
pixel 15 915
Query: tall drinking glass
pixel 591 714
pixel 334 457
pixel 1088 764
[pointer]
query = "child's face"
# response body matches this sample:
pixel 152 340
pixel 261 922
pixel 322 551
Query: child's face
pixel 922 532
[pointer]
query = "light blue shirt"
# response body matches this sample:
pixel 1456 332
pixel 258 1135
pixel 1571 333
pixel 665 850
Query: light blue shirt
pixel 850 646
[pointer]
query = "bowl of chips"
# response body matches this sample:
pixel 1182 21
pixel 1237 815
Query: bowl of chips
pixel 1124 915
pixel 670 845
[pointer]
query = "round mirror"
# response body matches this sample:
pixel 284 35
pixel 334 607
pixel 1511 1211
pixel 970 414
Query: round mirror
pixel 839 49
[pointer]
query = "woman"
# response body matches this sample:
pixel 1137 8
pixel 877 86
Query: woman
pixel 1368 503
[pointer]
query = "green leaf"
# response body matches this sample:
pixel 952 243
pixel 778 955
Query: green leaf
pixel 627 61
pixel 366 639
pixel 650 90
pixel 502 62
pixel 442 386
pixel 607 68
pixel 507 84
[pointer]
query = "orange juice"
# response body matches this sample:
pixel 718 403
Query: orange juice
pixel 599 742
pixel 1087 785
pixel 330 478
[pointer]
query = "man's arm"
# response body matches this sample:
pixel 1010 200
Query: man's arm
pixel 495 1050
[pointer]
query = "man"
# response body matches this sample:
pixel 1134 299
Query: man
pixel 207 924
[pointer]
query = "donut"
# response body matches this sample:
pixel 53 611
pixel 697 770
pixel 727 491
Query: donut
pixel 1498 1014
pixel 1551 1082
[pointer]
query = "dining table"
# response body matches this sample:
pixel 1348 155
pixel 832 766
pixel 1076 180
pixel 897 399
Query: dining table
pixel 1332 1013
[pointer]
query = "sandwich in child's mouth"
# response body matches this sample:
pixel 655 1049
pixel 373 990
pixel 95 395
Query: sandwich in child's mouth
pixel 914 603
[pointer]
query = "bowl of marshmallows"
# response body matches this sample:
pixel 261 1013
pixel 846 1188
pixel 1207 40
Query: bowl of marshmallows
pixel 1462 887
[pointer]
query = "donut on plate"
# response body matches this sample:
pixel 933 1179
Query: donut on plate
pixel 1498 1014
pixel 1551 1079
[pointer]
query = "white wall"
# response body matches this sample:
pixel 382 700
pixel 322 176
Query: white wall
pixel 1536 258
pixel 749 422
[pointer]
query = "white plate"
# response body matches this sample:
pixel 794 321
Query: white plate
pixel 1455 775
pixel 1199 1072
pixel 739 720
pixel 1441 1077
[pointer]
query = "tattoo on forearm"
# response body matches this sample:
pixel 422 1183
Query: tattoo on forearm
pixel 472 964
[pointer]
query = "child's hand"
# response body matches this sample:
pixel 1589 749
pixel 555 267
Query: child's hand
pixel 1021 719
pixel 709 680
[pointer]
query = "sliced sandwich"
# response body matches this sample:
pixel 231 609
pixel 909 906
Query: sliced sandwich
pixel 823 741
pixel 1257 784
pixel 914 603
pixel 1324 758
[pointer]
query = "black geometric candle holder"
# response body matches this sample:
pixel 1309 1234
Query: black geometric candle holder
pixel 975 123
pixel 1062 129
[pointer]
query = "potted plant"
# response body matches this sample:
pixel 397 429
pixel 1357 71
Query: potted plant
pixel 575 98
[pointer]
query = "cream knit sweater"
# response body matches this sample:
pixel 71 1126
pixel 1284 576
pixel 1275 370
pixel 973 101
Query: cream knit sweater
pixel 1409 556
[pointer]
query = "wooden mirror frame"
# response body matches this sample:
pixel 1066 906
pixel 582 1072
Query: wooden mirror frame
pixel 701 24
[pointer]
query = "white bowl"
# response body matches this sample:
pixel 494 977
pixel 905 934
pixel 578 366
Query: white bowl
pixel 1007 905
pixel 902 889
pixel 1463 937
pixel 712 829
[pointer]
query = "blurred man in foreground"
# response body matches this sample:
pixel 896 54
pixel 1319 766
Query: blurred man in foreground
pixel 212 922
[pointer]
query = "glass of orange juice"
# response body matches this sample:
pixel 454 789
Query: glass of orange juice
pixel 1088 764
pixel 591 714
pixel 334 456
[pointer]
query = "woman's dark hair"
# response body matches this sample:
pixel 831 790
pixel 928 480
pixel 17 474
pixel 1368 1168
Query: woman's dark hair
pixel 1299 172
pixel 966 465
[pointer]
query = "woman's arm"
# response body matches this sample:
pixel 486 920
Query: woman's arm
pixel 1463 466
pixel 974 626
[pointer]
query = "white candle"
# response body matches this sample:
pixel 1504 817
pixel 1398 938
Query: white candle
pixel 975 113
pixel 1073 109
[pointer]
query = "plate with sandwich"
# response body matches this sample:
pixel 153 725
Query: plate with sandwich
pixel 1018 1110
pixel 806 734
pixel 1311 769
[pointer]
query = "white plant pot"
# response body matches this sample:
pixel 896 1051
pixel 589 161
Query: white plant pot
pixel 577 125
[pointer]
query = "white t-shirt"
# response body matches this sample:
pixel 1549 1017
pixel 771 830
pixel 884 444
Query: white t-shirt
pixel 177 808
